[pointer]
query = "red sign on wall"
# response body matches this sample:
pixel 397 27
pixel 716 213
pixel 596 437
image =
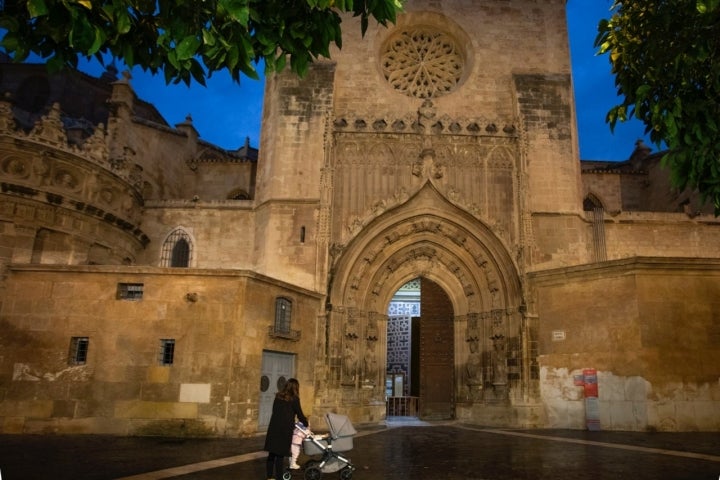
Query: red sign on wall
pixel 592 403
pixel 590 382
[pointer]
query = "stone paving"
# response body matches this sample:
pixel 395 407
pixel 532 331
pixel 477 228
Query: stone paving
pixel 448 451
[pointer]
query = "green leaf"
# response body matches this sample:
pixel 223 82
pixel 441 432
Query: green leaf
pixel 233 55
pixel 188 47
pixel 123 23
pixel 238 10
pixel 197 71
pixel 208 37
pixel 128 54
pixel 10 42
pixel 98 42
pixel 642 91
pixel 172 58
pixel 37 8
pixel 280 62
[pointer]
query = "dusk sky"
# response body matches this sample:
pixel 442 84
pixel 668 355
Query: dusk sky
pixel 224 113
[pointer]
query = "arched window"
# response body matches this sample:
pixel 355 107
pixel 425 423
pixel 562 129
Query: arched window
pixel 283 315
pixel 238 194
pixel 177 250
pixel 591 202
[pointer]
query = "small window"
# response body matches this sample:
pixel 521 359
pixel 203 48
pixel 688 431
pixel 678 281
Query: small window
pixel 283 315
pixel 78 350
pixel 130 291
pixel 167 351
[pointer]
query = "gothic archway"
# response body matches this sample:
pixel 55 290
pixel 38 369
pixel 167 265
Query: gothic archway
pixel 427 237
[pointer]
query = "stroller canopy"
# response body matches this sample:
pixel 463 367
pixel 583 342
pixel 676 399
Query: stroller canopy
pixel 339 425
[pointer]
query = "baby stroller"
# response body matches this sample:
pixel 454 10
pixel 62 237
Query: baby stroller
pixel 329 448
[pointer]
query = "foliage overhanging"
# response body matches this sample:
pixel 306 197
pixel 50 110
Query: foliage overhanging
pixel 184 39
pixel 665 56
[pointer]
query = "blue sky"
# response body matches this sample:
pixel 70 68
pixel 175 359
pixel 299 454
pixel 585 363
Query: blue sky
pixel 224 113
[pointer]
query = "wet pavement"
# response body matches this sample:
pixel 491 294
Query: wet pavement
pixel 398 451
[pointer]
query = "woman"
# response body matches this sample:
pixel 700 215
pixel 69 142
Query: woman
pixel 282 422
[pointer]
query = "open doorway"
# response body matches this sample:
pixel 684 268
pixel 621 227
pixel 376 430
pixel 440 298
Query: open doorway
pixel 419 378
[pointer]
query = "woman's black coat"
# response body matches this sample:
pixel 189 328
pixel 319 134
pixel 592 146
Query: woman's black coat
pixel 282 424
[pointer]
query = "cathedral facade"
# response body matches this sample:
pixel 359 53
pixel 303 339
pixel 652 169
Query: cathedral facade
pixel 153 283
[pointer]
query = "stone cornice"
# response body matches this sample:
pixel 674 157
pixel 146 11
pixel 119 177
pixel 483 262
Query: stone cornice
pixel 425 121
pixel 626 266
pixel 127 270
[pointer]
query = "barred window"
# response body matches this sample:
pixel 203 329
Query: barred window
pixel 167 351
pixel 78 350
pixel 130 291
pixel 283 314
pixel 177 250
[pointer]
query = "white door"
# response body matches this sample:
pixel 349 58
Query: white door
pixel 276 369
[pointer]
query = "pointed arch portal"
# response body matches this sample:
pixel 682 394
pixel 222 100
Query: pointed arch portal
pixel 479 331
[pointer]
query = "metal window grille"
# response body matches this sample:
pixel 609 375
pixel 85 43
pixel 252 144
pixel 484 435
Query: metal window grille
pixel 130 291
pixel 78 350
pixel 283 315
pixel 167 351
pixel 592 204
pixel 177 250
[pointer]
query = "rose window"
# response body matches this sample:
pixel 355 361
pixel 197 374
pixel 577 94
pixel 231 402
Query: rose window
pixel 422 63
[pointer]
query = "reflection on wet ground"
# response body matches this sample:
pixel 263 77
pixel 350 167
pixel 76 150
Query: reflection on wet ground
pixel 407 450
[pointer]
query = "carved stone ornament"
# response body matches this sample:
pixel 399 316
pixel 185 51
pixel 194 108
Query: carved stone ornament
pixel 95 145
pixel 16 167
pixel 422 62
pixel 50 127
pixel 7 119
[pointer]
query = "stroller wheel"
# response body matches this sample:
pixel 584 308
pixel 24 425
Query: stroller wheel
pixel 312 473
pixel 346 473
pixel 287 475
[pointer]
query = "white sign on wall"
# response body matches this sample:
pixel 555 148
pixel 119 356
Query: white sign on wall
pixel 194 393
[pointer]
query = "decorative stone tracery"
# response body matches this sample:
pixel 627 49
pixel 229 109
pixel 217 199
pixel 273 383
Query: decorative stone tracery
pixel 422 62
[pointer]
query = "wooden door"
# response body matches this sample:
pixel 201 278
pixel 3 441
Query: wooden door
pixel 437 380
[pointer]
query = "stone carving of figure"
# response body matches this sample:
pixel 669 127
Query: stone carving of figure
pixel 499 360
pixel 95 145
pixel 128 202
pixel 41 169
pixel 371 368
pixel 66 180
pixel 438 170
pixel 426 113
pixel 349 363
pixel 417 167
pixel 474 363
pixel 91 186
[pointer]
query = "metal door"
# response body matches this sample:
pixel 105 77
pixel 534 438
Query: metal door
pixel 276 369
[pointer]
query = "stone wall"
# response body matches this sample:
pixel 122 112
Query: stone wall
pixel 648 327
pixel 219 321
